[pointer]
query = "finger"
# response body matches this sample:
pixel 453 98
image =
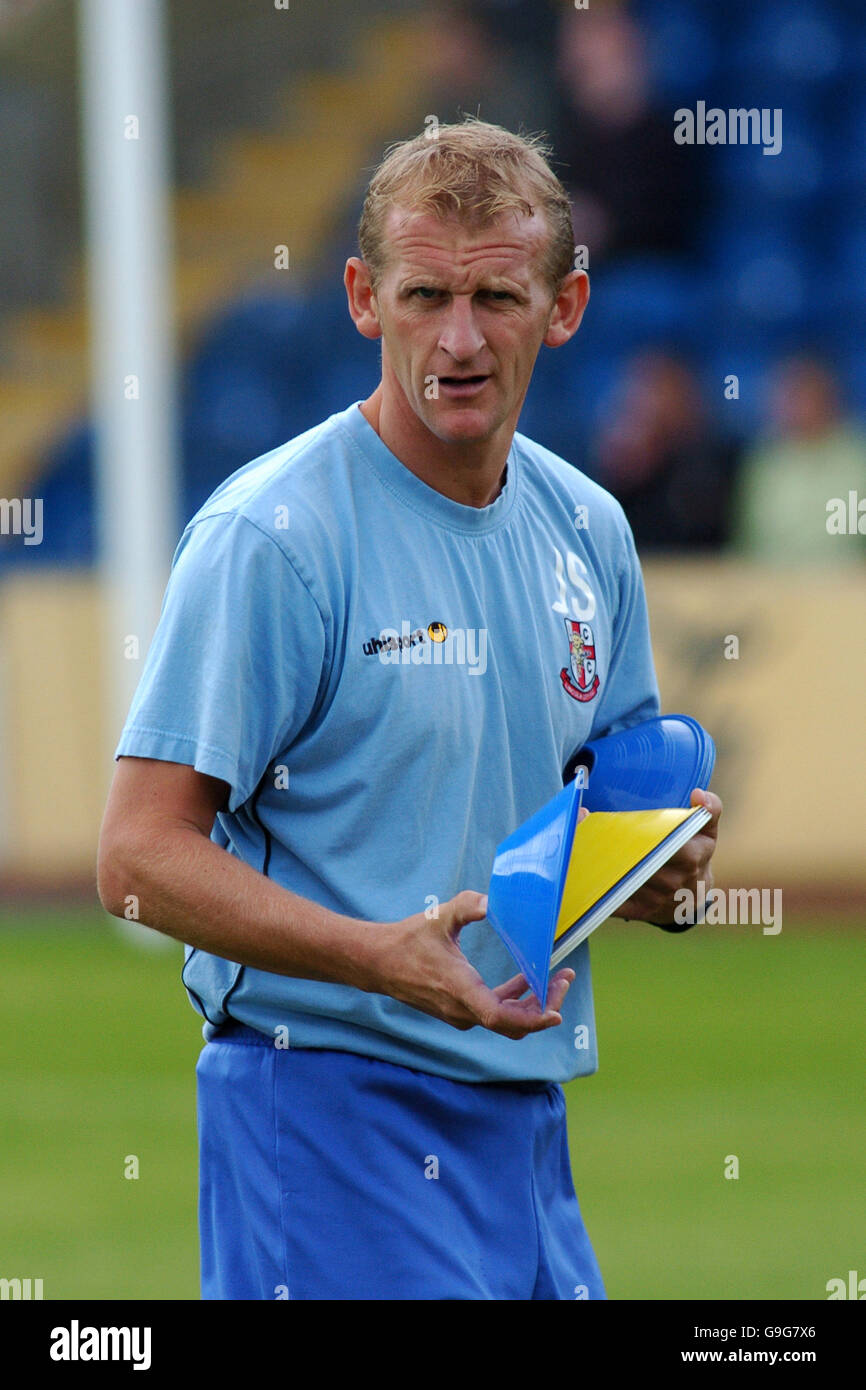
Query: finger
pixel 466 907
pixel 532 1018
pixel 671 877
pixel 514 1018
pixel 513 988
pixel 518 985
pixel 558 989
pixel 646 905
pixel 713 803
pixel 517 1018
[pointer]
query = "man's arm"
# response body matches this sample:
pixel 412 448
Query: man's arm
pixel 155 844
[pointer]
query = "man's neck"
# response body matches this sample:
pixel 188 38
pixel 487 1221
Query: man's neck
pixel 472 473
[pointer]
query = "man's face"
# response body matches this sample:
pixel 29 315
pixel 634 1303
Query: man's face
pixel 463 311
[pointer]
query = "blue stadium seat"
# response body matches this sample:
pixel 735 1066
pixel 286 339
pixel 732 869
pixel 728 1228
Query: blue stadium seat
pixel 556 412
pixel 233 401
pixel 254 326
pixel 845 136
pixel 781 266
pixel 731 240
pixel 682 44
pixel 854 378
pixel 646 299
pixel 804 40
pixel 771 290
pixel 269 370
pixel 841 283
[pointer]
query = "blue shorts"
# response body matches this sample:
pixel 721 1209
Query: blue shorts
pixel 328 1175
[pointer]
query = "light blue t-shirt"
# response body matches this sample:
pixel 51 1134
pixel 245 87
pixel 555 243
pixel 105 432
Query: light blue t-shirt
pixel 390 683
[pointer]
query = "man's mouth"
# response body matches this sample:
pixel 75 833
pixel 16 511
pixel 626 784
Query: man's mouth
pixel 462 385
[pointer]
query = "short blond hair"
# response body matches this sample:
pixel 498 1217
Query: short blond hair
pixel 475 171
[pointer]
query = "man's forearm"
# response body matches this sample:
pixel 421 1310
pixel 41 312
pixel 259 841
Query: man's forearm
pixel 156 857
pixel 183 884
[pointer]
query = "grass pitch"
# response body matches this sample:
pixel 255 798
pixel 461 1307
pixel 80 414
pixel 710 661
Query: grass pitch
pixel 725 1043
pixel 717 1045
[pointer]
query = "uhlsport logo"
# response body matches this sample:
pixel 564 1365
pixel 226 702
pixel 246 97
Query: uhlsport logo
pixel 584 669
pixel 435 645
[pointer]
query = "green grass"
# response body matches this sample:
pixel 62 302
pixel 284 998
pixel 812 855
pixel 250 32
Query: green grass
pixel 725 1042
pixel 715 1043
pixel 99 1047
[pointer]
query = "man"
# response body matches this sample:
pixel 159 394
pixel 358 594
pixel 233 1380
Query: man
pixel 319 763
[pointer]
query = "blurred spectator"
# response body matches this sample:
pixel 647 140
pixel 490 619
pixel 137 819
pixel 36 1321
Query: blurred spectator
pixel 486 58
pixel 661 457
pixel 814 455
pixel 468 66
pixel 633 189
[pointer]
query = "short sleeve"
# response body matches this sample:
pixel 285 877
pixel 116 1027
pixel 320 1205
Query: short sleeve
pixel 237 661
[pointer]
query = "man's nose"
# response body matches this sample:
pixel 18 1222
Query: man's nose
pixel 461 336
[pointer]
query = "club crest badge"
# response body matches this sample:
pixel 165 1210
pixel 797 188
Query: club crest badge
pixel 581 681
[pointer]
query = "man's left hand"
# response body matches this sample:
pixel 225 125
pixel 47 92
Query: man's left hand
pixel 654 902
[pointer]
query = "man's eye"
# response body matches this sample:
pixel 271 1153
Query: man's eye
pixel 425 292
pixel 499 294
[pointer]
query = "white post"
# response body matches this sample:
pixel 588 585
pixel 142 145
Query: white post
pixel 124 106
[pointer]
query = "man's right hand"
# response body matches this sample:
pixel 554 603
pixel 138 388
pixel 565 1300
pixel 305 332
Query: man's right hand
pixel 418 961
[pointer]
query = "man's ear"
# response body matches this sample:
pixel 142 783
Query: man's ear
pixel 568 308
pixel 362 298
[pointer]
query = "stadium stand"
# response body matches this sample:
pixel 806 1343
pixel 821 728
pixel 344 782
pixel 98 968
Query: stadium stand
pixel 268 364
pixel 777 268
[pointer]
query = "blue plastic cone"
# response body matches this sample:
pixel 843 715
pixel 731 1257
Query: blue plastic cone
pixel 527 882
pixel 652 765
